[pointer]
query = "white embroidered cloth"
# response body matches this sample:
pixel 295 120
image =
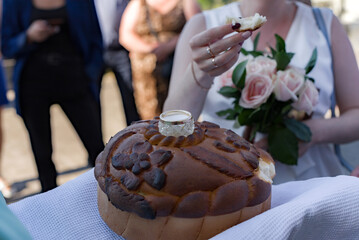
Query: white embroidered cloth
pixel 320 208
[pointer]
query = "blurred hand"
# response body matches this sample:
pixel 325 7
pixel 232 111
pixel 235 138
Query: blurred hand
pixel 162 51
pixel 355 172
pixel 302 146
pixel 40 30
pixel 262 143
pixel 215 54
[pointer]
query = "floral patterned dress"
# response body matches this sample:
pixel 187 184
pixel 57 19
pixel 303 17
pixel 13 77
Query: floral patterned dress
pixel 150 88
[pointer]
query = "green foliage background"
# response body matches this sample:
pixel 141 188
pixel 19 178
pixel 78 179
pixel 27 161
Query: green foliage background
pixel 208 4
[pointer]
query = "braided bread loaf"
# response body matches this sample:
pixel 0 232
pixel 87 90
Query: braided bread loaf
pixel 153 186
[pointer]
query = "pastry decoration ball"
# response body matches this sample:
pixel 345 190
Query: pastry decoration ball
pixel 152 186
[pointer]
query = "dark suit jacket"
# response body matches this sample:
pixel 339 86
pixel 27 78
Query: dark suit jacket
pixel 84 29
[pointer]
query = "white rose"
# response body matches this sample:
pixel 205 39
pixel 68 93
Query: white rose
pixel 308 98
pixel 287 84
pixel 261 65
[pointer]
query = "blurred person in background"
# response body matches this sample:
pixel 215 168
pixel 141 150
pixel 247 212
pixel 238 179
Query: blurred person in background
pixel 57 45
pixel 5 188
pixel 150 30
pixel 116 56
pixel 355 172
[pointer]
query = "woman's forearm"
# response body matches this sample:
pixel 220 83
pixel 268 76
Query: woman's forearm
pixel 186 94
pixel 133 43
pixel 342 129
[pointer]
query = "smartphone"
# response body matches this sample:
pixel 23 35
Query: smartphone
pixel 55 21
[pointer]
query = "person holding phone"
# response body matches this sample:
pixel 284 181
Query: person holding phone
pixel 57 45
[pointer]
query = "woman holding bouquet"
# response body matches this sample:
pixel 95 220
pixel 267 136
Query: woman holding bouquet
pixel 210 49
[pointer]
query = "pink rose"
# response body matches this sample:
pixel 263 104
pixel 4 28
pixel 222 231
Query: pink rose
pixel 226 79
pixel 257 89
pixel 308 98
pixel 261 65
pixel 287 84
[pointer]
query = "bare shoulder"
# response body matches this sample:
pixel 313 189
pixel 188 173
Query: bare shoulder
pixel 133 5
pixel 345 68
pixel 337 28
pixel 196 24
pixel 341 45
pixel 132 11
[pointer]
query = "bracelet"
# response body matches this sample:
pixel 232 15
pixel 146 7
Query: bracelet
pixel 196 80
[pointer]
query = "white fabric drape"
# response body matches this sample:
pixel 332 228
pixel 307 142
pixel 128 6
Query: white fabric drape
pixel 321 208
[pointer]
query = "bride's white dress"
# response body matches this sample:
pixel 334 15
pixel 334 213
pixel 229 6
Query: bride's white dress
pixel 302 38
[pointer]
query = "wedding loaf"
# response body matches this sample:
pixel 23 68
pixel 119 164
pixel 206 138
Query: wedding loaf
pixel 152 186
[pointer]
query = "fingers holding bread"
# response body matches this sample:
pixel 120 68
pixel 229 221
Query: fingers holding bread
pixel 216 50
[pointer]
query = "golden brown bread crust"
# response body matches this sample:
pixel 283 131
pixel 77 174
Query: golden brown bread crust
pixel 208 173
pixel 131 226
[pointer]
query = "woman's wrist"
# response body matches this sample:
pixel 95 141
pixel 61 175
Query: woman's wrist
pixel 204 81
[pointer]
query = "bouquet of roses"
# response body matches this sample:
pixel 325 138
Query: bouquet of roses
pixel 267 95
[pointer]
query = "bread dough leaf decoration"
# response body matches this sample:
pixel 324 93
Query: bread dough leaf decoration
pixel 223 147
pixel 142 147
pixel 130 181
pixel 160 157
pixel 155 178
pixel 251 158
pixel 120 160
pixel 218 162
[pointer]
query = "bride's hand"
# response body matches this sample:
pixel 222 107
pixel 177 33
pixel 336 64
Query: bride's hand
pixel 215 54
pixel 312 125
pixel 355 172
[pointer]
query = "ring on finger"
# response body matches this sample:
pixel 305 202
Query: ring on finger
pixel 209 51
pixel 214 63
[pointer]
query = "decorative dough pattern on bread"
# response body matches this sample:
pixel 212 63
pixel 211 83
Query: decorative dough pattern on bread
pixel 208 173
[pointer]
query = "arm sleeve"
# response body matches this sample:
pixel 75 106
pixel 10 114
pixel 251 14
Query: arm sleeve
pixel 13 33
pixel 10 226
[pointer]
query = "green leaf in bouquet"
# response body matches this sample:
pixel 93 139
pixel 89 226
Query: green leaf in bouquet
pixel 239 74
pixel 256 53
pixel 255 42
pixel 253 132
pixel 229 113
pixel 312 61
pixel 229 92
pixel 300 130
pixel 280 43
pixel 253 53
pixel 309 78
pixel 254 114
pixel 237 107
pixel 243 117
pixel 290 55
pixel 273 51
pixel 285 109
pixel 244 52
pixel 283 145
pixel 282 59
